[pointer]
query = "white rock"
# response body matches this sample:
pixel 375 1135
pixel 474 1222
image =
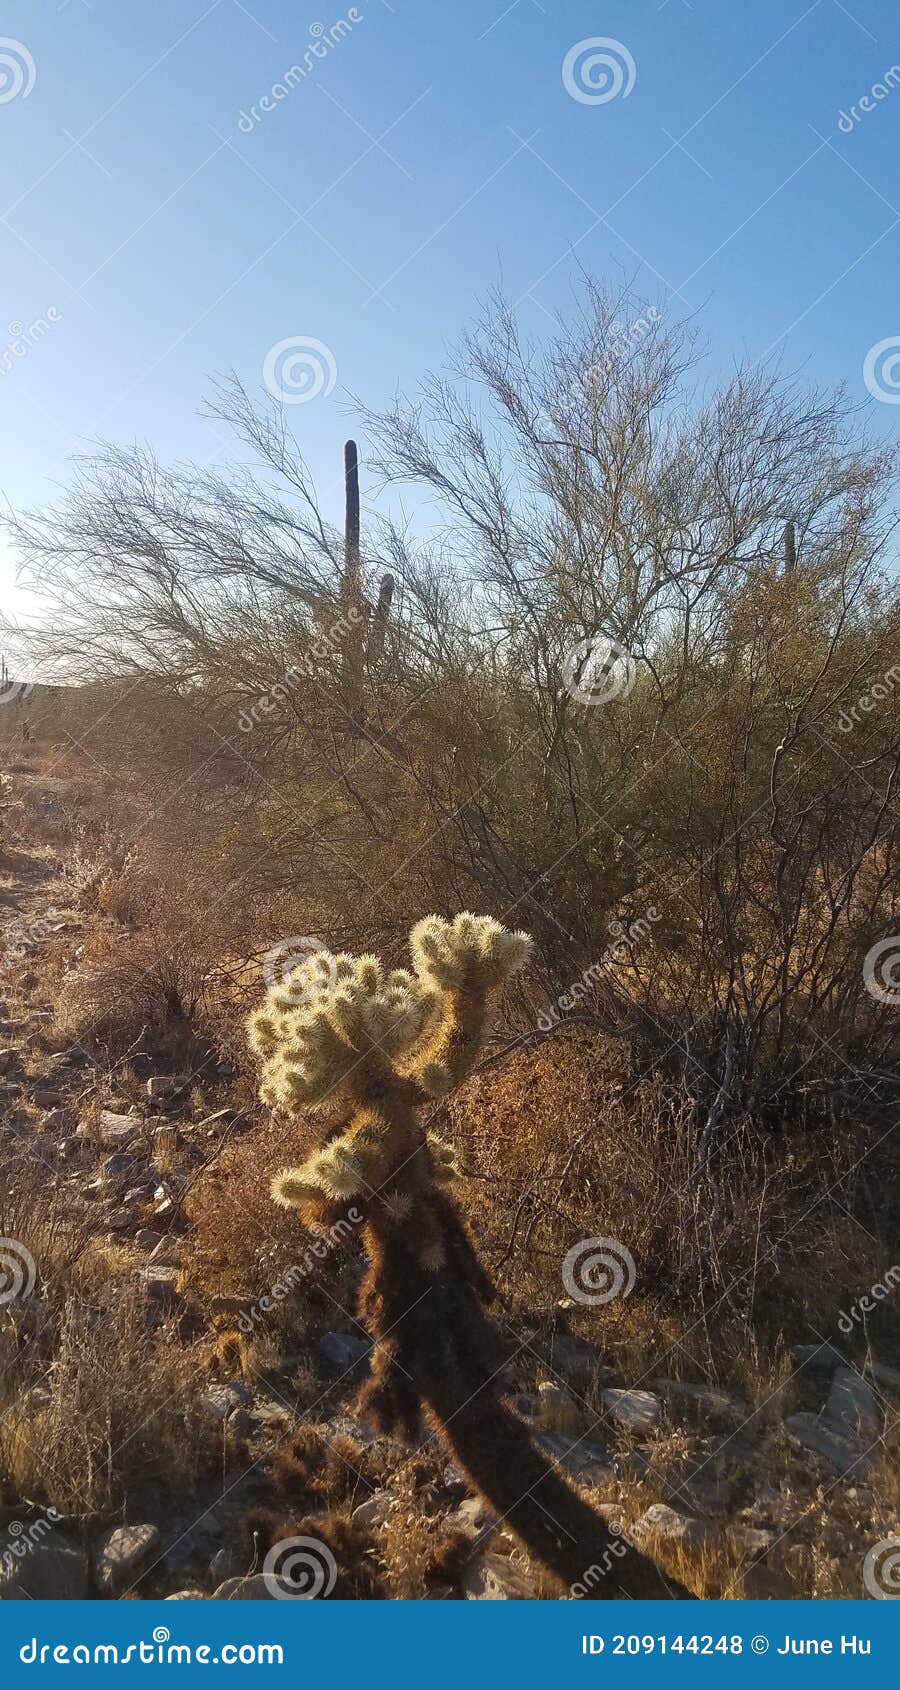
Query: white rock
pixel 53 1569
pixel 491 1578
pixel 636 1411
pixel 253 1589
pixel 473 1517
pixel 123 1554
pixel 374 1509
pixel 823 1438
pixel 852 1403
pixel 160 1283
pixel 666 1523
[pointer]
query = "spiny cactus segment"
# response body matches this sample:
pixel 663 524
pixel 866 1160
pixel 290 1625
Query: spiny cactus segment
pixel 383 1045
pixel 336 1019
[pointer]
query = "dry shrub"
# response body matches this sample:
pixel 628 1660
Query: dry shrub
pixel 240 1244
pixel 735 542
pixel 313 1468
pixel 564 1144
pixel 348 1544
pixel 137 988
pixel 124 1421
pixel 39 1222
pixel 415 1547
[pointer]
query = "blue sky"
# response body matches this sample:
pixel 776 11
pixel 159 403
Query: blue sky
pixel 432 153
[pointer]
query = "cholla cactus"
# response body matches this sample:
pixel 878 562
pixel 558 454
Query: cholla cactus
pixel 381 1045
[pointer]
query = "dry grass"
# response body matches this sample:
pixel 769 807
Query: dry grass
pixel 563 1143
pixel 240 1245
pixel 119 1420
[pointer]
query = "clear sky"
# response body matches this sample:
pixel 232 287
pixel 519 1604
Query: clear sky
pixel 153 236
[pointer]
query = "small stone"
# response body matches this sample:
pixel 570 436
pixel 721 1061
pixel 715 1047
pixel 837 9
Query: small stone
pixel 166 1253
pixel 473 1518
pixel 818 1358
pixel 571 1356
pixel 707 1491
pixel 491 1578
pixel 61 1120
pixel 667 1524
pixel 708 1399
pixel 136 1194
pixel 53 1570
pixel 10 1060
pixel 347 1426
pixel 636 1411
pixel 45 1097
pixel 74 1057
pixel 228 1563
pixel 370 1512
pixel 37 1399
pixel 754 1540
pixel 164 1085
pixel 121 1220
pixel 241 1424
pixel 217 1119
pixel 454 1478
pixel 117 1167
pixel 345 1352
pixel 145 1239
pixel 254 1589
pixel 123 1554
pixel 116 1131
pixel 821 1437
pixel 853 1403
pixel 557 1408
pixel 159 1283
pixel 577 1456
pixel 219 1400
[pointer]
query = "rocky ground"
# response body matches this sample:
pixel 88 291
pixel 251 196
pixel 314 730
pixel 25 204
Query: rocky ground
pixel 783 1496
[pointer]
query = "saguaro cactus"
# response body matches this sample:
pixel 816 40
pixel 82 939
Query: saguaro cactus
pixel 382 1044
pixel 368 624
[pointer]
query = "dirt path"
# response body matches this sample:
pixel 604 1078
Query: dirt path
pixel 32 899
